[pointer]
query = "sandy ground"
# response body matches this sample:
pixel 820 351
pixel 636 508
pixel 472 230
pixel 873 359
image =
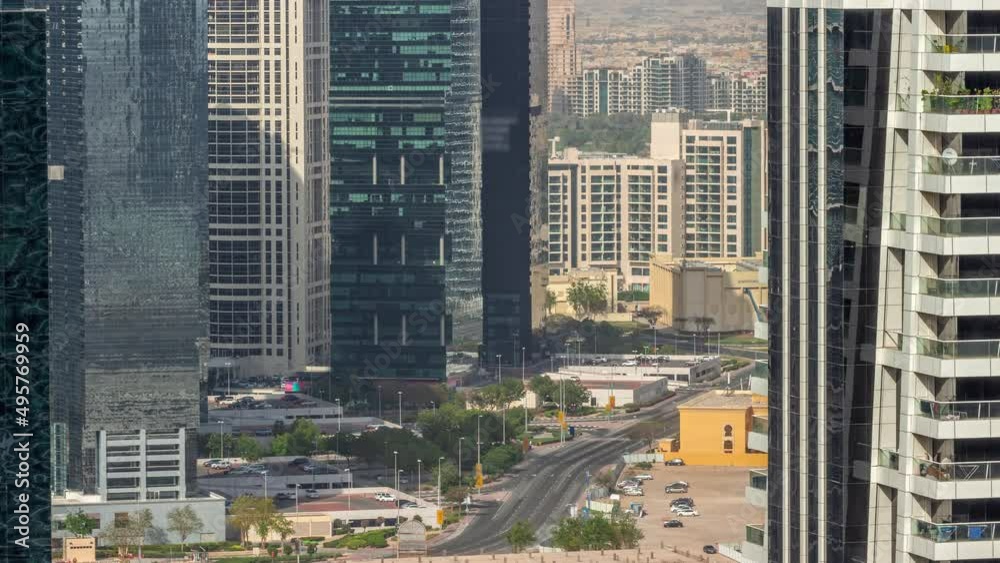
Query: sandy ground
pixel 718 493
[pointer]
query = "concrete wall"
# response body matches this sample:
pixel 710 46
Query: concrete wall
pixel 712 289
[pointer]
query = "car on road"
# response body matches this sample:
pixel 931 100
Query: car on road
pixel 308 467
pixel 299 461
pixel 643 477
pixel 209 462
pixel 312 493
pixel 408 504
pixel 221 464
pixel 630 363
pixel 710 549
pixel 688 513
pixel 284 495
pixel 674 462
pixel 673 524
pixel 385 497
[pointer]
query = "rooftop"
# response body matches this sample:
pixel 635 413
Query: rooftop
pixel 720 400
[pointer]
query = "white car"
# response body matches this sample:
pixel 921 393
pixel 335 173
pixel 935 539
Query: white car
pixel 312 493
pixel 630 363
pixel 220 465
pixel 677 508
pixel 627 484
pixel 643 477
pixel 385 497
pixel 688 512
pixel 632 492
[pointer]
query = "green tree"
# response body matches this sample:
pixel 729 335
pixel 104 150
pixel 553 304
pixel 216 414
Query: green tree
pixel 143 521
pixel 568 534
pixel 606 479
pixel 520 535
pixel 544 388
pixel 226 440
pixel 587 299
pixel 282 526
pixel 122 535
pixel 597 532
pixel 280 445
pixel 550 301
pixel 79 524
pixel 303 437
pixel 651 314
pixel 248 448
pixel 626 534
pixel 184 521
pixel 449 475
pixel 251 513
pixel 498 460
pixel 575 395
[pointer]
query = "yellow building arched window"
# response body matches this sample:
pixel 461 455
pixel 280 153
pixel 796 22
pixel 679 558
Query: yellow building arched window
pixel 727 439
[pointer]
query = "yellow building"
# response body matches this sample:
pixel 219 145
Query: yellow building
pixel 715 427
pixel 729 291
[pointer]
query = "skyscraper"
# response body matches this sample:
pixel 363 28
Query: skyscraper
pixel 507 178
pixel 390 75
pixel 269 241
pixel 883 268
pixel 128 278
pixel 24 270
pixel 563 65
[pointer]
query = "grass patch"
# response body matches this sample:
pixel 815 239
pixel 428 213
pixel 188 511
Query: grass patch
pixel 743 340
pixel 373 538
pixel 281 558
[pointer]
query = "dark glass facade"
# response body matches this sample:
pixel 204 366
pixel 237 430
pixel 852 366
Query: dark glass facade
pixel 507 178
pixel 127 112
pixel 390 73
pixel 24 248
pixel 823 273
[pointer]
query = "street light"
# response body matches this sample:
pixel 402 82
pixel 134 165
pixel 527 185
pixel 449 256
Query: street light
pixel 503 413
pixel 479 443
pixel 434 407
pixel 296 501
pixel 222 441
pixel 460 440
pixel 264 474
pixel 350 485
pixel 418 478
pixel 340 417
pixel 400 394
pixel 524 390
pixel 395 467
pixel 380 402
pixel 440 459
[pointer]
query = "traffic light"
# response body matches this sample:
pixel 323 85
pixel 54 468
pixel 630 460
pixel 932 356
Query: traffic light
pixel 611 402
pixel 562 419
pixel 479 476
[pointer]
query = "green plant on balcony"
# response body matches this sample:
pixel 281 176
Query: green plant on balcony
pixel 984 103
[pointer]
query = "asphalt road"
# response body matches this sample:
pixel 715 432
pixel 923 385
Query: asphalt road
pixel 548 481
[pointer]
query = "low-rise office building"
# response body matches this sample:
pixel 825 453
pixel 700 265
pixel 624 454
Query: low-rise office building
pixel 721 295
pixel 716 427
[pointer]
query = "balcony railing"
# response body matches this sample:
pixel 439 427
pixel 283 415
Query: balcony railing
pixel 952 349
pixel 958 226
pixel 755 534
pixel 965 43
pixel 947 533
pixel 958 410
pixel 961 103
pixel 959 471
pixel 759 424
pixel 962 166
pixel 983 287
pixel 758 479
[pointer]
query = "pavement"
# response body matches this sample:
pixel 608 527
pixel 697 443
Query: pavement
pixel 665 555
pixel 719 496
pixel 549 480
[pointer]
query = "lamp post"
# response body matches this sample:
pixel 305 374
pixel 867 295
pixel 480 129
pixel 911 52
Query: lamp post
pixel 479 443
pixel 264 474
pixel 340 417
pixel 434 407
pixel 350 485
pixel 296 501
pixel 460 440
pixel 419 462
pixel 440 459
pixel 524 390
pixel 222 441
pixel 395 467
pixel 400 395
pixel 503 412
pixel 380 402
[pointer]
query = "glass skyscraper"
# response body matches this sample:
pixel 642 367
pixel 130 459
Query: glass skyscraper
pixel 390 75
pixel 127 121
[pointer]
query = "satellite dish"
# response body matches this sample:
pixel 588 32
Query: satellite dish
pixel 950 156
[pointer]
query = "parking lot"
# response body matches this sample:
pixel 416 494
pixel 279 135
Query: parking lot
pixel 718 493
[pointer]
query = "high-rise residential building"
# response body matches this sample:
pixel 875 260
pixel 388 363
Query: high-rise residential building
pixel 884 266
pixel 724 187
pixel 613 212
pixel 390 75
pixel 507 178
pixel 127 107
pixel 538 121
pixel 563 65
pixel 269 242
pixel 657 83
pixel 744 94
pixel 24 271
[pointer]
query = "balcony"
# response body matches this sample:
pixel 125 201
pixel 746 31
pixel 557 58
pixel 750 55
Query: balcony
pixel 958 53
pixel 757 437
pixel 960 113
pixel 956 236
pixel 942 358
pixel 756 489
pixel 958 297
pixel 758 384
pixel 960 288
pixel 957 419
pixel 950 541
pixel 965 174
pixel 953 349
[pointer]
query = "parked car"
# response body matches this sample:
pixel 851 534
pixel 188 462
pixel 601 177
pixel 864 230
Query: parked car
pixel 209 462
pixel 675 461
pixel 408 504
pixel 220 464
pixel 673 524
pixel 630 363
pixel 643 477
pixel 680 508
pixel 628 483
pixel 385 497
pixel 632 492
pixel 308 467
pixel 284 495
pixel 312 493
pixel 299 461
pixel 688 513
pixel 675 488
pixel 682 500
pixel 710 549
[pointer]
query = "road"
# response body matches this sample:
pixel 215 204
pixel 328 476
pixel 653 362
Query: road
pixel 550 480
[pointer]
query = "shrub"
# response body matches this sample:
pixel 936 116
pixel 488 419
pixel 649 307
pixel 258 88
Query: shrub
pixel 373 538
pixel 631 407
pixel 643 465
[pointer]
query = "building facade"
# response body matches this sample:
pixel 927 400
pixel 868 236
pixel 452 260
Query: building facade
pixel 24 269
pixel 715 429
pixel 390 74
pixel 657 83
pixel 269 243
pixel 508 170
pixel 613 212
pixel 127 120
pixel 744 94
pixel 563 64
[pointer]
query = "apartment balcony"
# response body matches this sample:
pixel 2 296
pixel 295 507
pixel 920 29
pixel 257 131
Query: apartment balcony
pixel 958 480
pixel 757 437
pixel 955 541
pixel 962 53
pixel 754 547
pixel 956 420
pixel 965 236
pixel 960 113
pixel 758 384
pixel 959 297
pixel 756 489
pixel 941 358
pixel 964 175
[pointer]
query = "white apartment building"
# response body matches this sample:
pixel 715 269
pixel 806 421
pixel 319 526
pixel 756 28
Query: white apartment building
pixel 745 94
pixel 563 63
pixel 269 175
pixel 657 83
pixel 613 212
